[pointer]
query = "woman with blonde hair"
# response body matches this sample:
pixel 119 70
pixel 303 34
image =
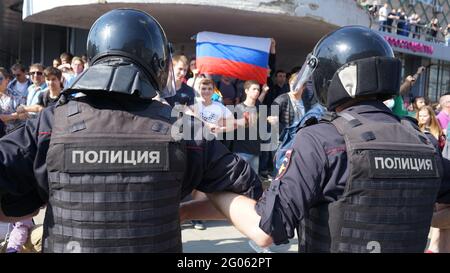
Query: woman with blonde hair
pixel 428 122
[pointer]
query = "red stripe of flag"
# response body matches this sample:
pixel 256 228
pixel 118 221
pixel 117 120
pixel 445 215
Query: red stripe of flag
pixel 243 71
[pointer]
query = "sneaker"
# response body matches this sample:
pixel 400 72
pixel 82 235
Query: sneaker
pixel 198 225
pixel 258 249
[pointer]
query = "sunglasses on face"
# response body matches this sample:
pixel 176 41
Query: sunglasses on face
pixel 37 73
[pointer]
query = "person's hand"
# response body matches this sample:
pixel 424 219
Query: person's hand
pixel 212 127
pixel 64 67
pixel 189 111
pixel 273 45
pixel 20 109
pixel 420 70
pixel 23 116
pixel 265 88
pixel 225 122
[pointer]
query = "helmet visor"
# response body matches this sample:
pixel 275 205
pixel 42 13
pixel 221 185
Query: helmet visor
pixel 305 72
pixel 170 89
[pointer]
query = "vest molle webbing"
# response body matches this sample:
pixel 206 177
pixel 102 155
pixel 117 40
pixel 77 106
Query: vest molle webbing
pixel 387 204
pixel 115 181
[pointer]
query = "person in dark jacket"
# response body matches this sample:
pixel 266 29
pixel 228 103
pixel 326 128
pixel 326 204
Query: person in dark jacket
pixel 292 106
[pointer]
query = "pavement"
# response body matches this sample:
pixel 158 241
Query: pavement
pixel 218 237
pixel 222 237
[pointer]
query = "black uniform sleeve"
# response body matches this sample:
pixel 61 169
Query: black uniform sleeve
pixel 211 167
pixel 17 181
pixel 295 189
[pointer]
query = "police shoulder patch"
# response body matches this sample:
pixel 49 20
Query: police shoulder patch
pixel 284 164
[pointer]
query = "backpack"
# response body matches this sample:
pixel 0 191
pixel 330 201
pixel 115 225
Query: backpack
pixel 287 136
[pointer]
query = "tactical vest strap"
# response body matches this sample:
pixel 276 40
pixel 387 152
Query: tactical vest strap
pixel 329 116
pixel 72 108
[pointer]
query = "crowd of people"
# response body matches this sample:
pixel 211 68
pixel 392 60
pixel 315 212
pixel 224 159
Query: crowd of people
pixel 396 20
pixel 24 92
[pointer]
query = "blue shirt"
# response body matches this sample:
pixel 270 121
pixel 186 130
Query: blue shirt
pixel 299 109
pixel 19 95
pixel 33 93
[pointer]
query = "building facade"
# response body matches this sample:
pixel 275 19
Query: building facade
pixel 39 30
pixel 422 49
pixel 52 27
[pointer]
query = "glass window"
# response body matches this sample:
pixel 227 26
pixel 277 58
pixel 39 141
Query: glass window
pixel 445 78
pixel 432 83
pixel 439 80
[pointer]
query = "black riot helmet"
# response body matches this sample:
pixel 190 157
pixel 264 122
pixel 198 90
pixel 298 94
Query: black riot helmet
pixel 136 37
pixel 351 62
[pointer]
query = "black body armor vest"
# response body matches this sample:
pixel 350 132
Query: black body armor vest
pixel 393 179
pixel 115 180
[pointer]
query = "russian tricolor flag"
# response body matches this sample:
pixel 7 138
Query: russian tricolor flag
pixel 241 57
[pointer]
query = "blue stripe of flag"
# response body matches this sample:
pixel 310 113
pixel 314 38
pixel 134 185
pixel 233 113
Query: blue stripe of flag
pixel 233 53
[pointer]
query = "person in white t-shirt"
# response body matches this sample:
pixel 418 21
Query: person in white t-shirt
pixel 214 114
pixel 382 17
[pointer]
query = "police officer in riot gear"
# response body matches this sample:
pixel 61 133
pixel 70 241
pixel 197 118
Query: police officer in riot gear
pixel 361 180
pixel 107 160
